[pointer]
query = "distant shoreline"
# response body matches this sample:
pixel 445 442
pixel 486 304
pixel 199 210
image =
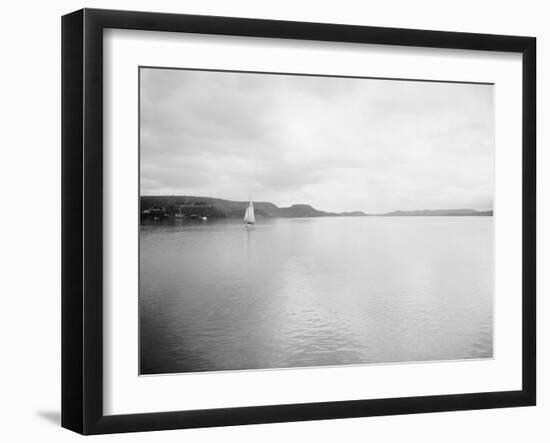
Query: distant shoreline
pixel 164 207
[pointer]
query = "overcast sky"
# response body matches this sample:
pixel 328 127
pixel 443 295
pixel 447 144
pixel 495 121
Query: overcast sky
pixel 338 144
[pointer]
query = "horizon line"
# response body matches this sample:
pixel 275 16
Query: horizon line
pixel 323 210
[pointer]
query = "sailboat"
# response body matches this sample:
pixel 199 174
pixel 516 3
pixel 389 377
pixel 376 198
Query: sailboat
pixel 249 218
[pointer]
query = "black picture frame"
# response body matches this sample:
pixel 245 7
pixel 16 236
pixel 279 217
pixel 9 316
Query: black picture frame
pixel 82 220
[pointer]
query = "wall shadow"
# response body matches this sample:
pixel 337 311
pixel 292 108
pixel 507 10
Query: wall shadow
pixel 53 417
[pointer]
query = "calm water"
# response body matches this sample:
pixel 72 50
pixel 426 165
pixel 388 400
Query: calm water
pixel 314 292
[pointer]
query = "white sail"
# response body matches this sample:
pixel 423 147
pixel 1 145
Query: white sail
pixel 249 214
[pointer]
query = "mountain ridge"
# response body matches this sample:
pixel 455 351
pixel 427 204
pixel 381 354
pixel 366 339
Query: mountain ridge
pixel 221 208
pixel 438 212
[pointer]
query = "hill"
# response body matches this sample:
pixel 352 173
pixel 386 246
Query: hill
pixel 216 207
pixel 168 205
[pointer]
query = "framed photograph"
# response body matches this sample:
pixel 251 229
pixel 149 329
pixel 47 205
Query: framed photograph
pixel 269 221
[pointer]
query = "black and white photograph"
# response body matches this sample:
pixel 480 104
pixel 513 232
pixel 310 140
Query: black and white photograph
pixel 284 217
pixel 295 221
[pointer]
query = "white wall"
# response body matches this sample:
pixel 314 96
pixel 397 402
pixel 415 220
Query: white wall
pixel 30 226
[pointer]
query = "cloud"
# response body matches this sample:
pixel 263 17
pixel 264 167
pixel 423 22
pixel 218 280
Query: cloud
pixel 335 143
